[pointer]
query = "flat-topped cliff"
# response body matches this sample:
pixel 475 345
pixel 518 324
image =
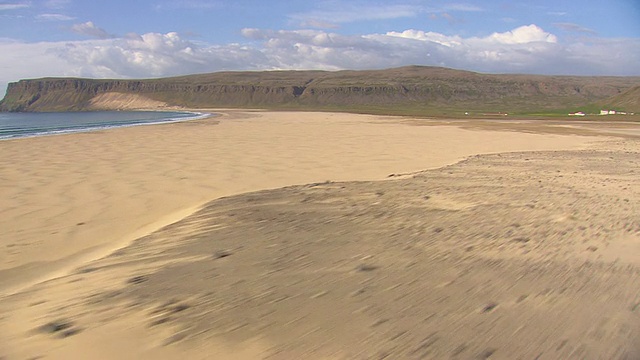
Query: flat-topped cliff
pixel 407 88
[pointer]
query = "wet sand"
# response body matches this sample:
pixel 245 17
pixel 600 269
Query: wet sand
pixel 530 250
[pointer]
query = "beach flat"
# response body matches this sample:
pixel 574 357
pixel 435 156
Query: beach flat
pixel 124 234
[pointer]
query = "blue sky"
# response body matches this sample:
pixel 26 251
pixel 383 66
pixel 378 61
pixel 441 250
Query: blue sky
pixel 141 38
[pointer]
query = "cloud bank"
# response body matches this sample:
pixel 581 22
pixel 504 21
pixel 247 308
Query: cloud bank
pixel 525 49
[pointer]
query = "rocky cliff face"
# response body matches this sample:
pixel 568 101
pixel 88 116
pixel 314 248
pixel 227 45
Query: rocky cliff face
pixel 408 87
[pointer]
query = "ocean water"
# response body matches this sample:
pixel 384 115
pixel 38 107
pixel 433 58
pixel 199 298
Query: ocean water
pixel 19 125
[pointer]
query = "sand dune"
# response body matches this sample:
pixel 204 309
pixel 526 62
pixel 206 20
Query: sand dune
pixel 350 268
pixel 70 198
pixel 122 101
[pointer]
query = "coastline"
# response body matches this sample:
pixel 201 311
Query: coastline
pixel 98 127
pixel 77 198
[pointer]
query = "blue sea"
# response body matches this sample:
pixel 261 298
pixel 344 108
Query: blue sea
pixel 19 125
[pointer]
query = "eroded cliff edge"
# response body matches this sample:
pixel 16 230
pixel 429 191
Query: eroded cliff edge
pixel 408 88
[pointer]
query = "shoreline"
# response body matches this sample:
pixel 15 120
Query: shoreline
pixel 197 116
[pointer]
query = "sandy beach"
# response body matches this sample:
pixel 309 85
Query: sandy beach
pixel 286 235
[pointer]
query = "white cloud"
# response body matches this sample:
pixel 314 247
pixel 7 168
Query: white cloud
pixel 90 29
pixel 520 35
pixel 154 55
pixel 54 17
pixel 523 35
pixel 13 6
pixel 571 27
pixel 438 38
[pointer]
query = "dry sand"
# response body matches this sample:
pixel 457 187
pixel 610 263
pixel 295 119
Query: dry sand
pixel 518 254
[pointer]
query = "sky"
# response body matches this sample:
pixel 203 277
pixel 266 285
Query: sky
pixel 144 39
